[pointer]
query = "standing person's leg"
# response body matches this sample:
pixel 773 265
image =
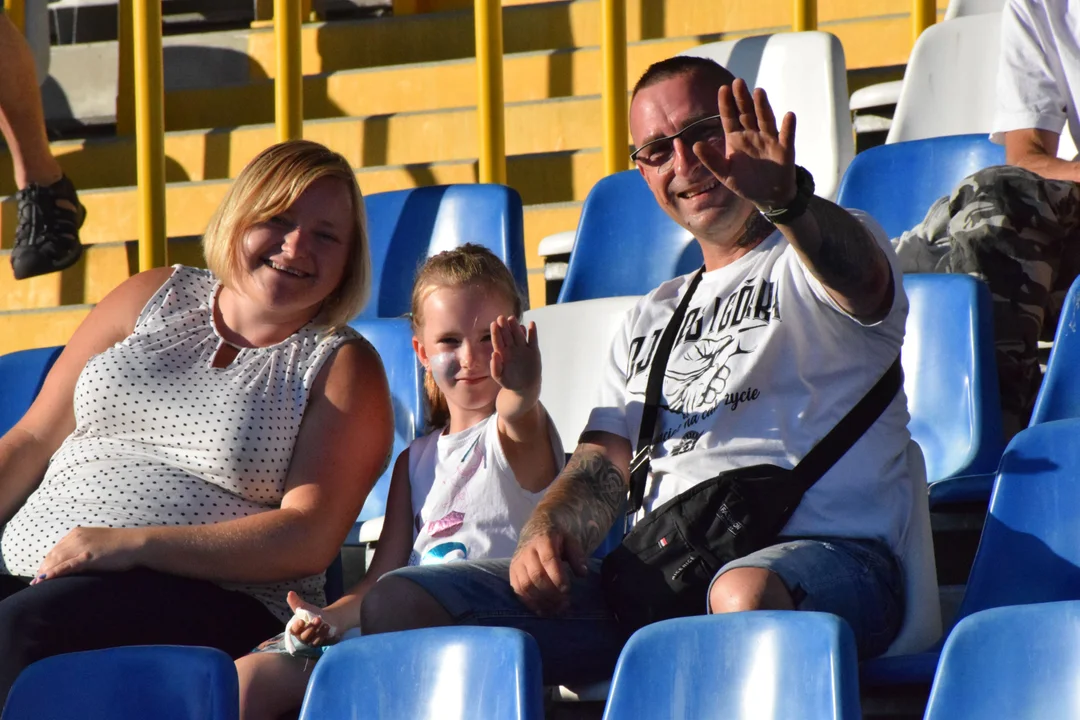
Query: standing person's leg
pixel 1008 227
pixel 140 607
pixel 47 236
pixel 579 645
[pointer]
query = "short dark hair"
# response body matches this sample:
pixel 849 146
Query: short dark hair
pixel 711 71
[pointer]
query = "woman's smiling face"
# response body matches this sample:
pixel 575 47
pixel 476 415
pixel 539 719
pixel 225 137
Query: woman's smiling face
pixel 296 259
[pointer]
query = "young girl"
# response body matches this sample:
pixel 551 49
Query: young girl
pixel 462 491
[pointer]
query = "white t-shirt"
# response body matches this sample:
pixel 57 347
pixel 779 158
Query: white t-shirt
pixel 467 503
pixel 1039 69
pixel 765 365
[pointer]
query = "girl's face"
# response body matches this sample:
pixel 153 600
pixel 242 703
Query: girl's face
pixel 454 343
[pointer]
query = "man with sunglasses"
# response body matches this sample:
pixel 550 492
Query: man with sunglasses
pixel 797 315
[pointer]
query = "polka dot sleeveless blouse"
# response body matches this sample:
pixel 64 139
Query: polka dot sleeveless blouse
pixel 164 438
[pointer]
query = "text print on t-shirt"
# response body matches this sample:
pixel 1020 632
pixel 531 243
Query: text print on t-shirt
pixel 695 382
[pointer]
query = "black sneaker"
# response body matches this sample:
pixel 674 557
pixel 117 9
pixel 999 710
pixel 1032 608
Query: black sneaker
pixel 47 236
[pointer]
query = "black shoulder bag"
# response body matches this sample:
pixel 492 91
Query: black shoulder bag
pixel 664 565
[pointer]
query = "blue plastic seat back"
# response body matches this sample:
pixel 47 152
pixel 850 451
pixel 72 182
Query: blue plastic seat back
pixel 950 375
pixel 898 183
pixel 392 338
pixel 162 682
pixel 21 376
pixel 448 673
pixel 762 665
pixel 1019 663
pixel 1030 546
pixel 625 244
pixel 1059 396
pixel 408 226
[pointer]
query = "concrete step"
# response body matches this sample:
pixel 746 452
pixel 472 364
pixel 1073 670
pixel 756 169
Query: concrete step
pixel 83 77
pixel 24 329
pixel 24 322
pixel 101 268
pixel 416 87
pixel 112 213
pixel 367 142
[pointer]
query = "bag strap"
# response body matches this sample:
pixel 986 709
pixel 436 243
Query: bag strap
pixel 639 465
pixel 814 464
pixel 841 438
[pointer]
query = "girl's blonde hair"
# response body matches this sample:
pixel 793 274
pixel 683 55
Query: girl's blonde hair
pixel 269 185
pixel 467 265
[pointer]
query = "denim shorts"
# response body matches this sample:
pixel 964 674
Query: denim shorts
pixel 859 580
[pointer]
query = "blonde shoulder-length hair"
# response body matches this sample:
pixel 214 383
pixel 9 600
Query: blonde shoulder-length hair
pixel 269 185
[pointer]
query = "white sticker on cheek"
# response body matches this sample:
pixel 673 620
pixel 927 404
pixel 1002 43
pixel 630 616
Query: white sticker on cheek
pixel 445 366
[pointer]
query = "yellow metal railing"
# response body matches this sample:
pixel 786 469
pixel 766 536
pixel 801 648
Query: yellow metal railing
pixel 489 102
pixel 805 16
pixel 289 80
pixel 16 12
pixel 149 132
pixel 923 15
pixel 613 62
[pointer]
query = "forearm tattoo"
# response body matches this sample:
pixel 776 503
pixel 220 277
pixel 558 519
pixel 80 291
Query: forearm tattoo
pixel 848 258
pixel 583 502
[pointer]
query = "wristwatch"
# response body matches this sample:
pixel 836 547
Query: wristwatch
pixel 804 190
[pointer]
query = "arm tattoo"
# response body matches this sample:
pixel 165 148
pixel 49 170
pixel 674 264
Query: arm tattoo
pixel 583 502
pixel 847 259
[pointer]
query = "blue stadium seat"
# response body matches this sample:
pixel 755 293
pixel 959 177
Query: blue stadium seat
pixel 449 673
pixel 392 338
pixel 898 183
pixel 625 244
pixel 21 376
pixel 161 682
pixel 408 226
pixel 742 666
pixel 1030 546
pixel 1019 663
pixel 1059 396
pixel 950 378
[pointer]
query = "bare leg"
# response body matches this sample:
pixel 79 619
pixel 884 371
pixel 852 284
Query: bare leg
pixel 22 120
pixel 272 685
pixel 749 588
pixel 47 235
pixel 398 604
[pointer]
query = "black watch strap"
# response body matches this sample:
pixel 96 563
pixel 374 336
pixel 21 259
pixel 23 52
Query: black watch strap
pixel 804 190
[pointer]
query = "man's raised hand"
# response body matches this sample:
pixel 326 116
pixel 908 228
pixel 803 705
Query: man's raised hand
pixel 756 160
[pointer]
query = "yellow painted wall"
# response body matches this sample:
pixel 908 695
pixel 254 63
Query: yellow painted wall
pixel 414 128
pixel 543 26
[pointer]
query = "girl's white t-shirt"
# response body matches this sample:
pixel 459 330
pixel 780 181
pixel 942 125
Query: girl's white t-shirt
pixel 765 365
pixel 467 504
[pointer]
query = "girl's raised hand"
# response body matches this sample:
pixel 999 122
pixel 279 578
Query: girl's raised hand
pixel 515 357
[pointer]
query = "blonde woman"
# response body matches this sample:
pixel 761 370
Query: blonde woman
pixel 206 438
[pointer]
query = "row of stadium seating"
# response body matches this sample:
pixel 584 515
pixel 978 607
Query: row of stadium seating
pixel 760 665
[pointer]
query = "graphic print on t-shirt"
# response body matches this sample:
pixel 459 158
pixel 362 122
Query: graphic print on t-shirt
pixel 450 516
pixel 696 378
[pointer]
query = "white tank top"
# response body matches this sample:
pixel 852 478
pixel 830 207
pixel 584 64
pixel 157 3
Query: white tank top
pixel 163 438
pixel 467 504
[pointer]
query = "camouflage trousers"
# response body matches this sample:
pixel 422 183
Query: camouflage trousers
pixel 1020 233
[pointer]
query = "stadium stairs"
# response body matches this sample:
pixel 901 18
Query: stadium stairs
pixel 396 95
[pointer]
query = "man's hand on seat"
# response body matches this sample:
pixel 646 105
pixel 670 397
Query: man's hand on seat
pixel 540 571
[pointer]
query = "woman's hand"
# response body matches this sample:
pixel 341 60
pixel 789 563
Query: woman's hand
pixel 325 629
pixel 87 549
